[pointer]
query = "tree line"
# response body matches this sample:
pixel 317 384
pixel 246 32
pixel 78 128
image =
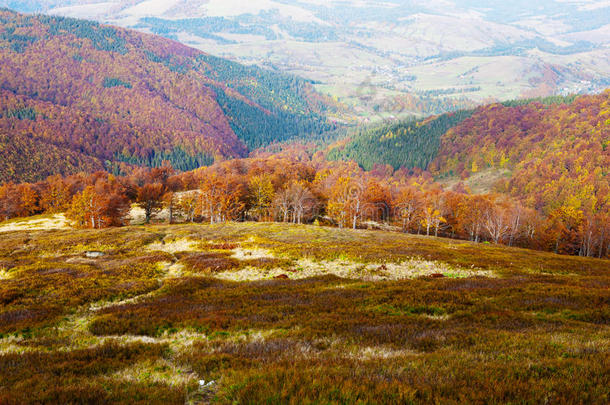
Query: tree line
pixel 284 189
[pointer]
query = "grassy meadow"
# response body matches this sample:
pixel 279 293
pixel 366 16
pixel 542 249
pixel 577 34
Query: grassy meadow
pixel 272 313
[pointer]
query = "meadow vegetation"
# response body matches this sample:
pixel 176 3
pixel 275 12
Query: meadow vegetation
pixel 159 314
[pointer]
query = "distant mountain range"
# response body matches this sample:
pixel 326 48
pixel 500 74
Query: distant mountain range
pixel 388 58
pixel 76 95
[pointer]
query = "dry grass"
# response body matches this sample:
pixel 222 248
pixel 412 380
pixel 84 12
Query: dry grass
pixel 360 319
pixel 483 182
pixel 40 223
pixel 308 268
pixel 176 246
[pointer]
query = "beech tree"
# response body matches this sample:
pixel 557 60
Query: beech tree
pixel 472 213
pixel 438 205
pixel 221 199
pixel 86 209
pixel 497 222
pixel 99 206
pixel 282 205
pixel 211 194
pixel 346 202
pixel 187 204
pixel 261 195
pixel 407 207
pixel 432 218
pixel 150 199
pixel 29 200
pixel 9 201
pixel 55 196
pixel 563 225
pixel 515 217
pixel 169 203
pixel 302 201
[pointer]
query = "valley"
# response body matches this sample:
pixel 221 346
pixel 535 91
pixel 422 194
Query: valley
pixel 446 54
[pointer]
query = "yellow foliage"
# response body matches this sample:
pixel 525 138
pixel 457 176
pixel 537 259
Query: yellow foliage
pixel 504 160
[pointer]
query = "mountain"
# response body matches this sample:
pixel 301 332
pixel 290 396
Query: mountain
pixel 550 151
pixel 77 95
pixel 555 154
pixel 448 54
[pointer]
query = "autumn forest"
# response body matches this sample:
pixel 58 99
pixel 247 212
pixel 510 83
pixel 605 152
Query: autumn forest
pixel 110 98
pixel 552 199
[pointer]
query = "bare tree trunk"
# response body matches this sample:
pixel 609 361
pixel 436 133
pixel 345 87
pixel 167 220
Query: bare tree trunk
pixel 557 246
pixel 148 212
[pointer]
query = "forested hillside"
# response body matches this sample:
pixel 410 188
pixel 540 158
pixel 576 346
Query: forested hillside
pixel 99 94
pixel 554 147
pixel 553 155
pixel 42 159
pixel 413 143
pixel 558 153
pixel 410 144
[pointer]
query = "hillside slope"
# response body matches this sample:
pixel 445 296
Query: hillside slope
pixel 558 154
pixel 554 150
pixel 352 317
pixel 28 159
pixel 107 94
pixel 410 144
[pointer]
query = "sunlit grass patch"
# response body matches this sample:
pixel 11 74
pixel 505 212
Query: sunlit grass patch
pixel 103 304
pixel 94 247
pixel 223 245
pixel 251 254
pixel 268 268
pixel 4 274
pixel 371 353
pixel 175 246
pixel 36 223
pixel 25 220
pixel 269 263
pixel 160 371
